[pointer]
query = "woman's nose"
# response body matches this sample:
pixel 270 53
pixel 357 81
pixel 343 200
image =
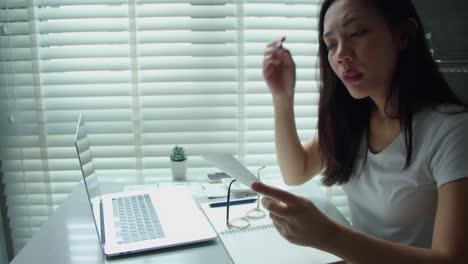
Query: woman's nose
pixel 345 53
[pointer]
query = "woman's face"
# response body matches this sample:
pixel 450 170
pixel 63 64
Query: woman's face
pixel 362 50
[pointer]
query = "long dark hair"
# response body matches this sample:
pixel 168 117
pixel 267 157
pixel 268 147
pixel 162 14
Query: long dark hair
pixel 343 121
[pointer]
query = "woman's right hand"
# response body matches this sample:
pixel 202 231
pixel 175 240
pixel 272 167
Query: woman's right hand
pixel 279 69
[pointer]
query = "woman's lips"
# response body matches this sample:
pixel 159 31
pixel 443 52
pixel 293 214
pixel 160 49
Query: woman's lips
pixel 351 76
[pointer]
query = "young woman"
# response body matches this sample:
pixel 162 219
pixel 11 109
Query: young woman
pixel 390 131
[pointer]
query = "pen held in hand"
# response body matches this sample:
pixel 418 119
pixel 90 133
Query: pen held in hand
pixel 279 43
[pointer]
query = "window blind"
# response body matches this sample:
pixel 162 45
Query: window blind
pixel 270 20
pixel 32 188
pixel 146 75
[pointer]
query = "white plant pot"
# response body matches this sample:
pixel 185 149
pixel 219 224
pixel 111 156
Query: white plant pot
pixel 179 170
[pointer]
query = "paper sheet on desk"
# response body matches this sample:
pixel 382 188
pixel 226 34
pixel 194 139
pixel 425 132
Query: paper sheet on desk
pixel 232 167
pixel 214 190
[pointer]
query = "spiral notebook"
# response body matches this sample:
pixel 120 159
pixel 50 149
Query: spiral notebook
pixel 260 242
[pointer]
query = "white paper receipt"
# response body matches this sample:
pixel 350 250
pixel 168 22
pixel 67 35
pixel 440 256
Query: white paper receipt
pixel 232 167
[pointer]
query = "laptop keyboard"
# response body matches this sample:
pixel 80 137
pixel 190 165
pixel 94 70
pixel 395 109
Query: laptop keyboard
pixel 135 219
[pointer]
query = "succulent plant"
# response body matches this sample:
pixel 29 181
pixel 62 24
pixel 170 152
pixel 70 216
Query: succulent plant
pixel 178 153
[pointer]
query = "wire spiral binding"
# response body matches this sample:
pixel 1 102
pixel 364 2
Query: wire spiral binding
pixel 235 231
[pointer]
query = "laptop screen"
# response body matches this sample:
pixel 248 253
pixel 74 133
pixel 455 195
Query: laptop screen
pixel 89 175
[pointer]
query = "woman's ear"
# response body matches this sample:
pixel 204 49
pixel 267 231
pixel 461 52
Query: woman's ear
pixel 408 33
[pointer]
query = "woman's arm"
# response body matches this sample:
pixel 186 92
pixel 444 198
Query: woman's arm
pixel 300 222
pixel 297 163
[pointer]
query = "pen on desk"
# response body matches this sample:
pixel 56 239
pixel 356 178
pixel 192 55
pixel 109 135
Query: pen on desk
pixel 235 202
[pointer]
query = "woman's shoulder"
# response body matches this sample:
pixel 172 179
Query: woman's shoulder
pixel 440 120
pixel 442 113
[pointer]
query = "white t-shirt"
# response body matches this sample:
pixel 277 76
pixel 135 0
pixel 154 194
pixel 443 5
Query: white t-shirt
pixel 400 205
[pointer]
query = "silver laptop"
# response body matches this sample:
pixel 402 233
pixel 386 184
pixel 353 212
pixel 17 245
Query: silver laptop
pixel 136 221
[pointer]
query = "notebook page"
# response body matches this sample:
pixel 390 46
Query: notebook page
pixel 260 243
pixel 265 245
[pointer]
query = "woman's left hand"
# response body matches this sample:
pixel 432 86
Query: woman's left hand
pixel 297 219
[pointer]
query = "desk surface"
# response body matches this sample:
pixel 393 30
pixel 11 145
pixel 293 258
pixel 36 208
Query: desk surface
pixel 70 237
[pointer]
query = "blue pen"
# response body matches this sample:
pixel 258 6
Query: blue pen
pixel 235 202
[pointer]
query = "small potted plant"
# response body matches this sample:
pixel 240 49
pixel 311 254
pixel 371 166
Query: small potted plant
pixel 179 163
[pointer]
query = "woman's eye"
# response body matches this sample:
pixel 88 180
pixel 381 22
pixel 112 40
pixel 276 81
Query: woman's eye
pixel 358 33
pixel 331 46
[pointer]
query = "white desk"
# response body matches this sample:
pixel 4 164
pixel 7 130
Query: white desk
pixel 70 237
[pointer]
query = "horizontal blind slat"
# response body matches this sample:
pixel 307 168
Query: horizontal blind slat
pixel 82 12
pixel 186 23
pixel 83 25
pixel 14 15
pixel 184 10
pixel 13 4
pixel 78 2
